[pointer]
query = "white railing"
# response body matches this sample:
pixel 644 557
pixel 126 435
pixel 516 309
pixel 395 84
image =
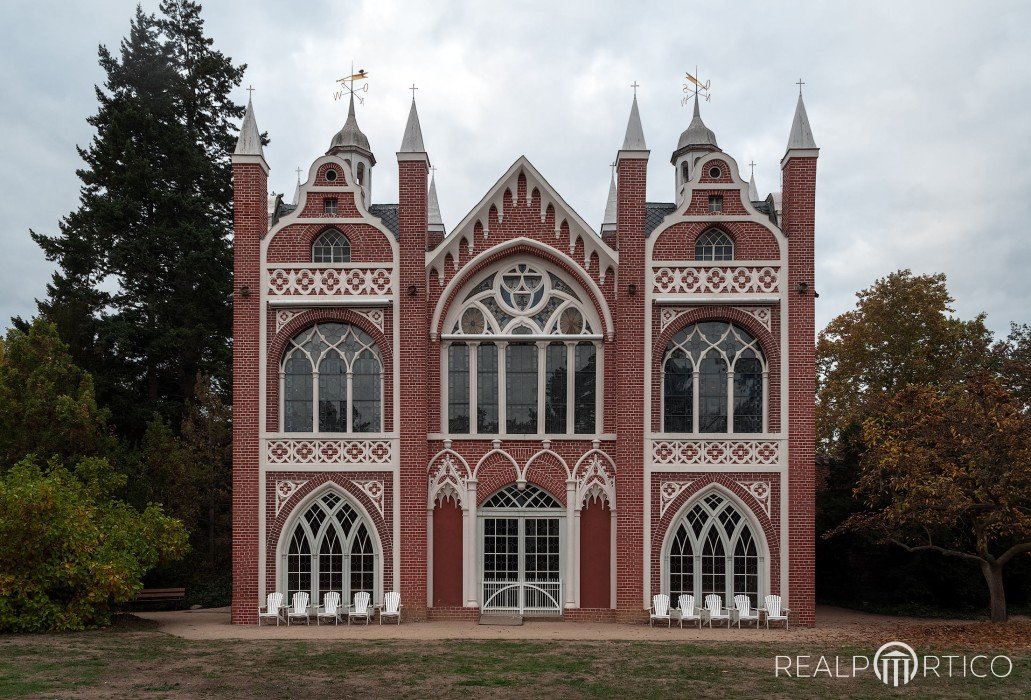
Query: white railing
pixel 729 279
pixel 733 452
pixel 329 281
pixel 300 451
pixel 522 597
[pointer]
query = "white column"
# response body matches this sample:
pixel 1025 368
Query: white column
pixel 765 401
pixel 572 544
pixel 429 555
pixel 730 402
pixel 469 560
pixel 542 368
pixel 695 390
pixel 315 401
pixel 575 583
pixel 282 403
pixel 350 398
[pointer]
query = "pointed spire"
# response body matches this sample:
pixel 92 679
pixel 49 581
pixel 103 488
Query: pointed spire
pixel 297 188
pixel 436 223
pixel 697 133
pixel 753 192
pixel 801 136
pixel 249 142
pixel 350 137
pixel 634 139
pixel 412 141
pixel 609 220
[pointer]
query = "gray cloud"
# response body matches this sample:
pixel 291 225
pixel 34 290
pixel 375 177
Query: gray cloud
pixel 919 109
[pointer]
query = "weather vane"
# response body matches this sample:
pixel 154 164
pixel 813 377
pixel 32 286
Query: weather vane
pixel 695 87
pixel 347 86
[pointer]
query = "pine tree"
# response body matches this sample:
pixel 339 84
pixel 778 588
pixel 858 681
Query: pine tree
pixel 142 294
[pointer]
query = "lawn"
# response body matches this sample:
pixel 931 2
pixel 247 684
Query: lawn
pixel 133 659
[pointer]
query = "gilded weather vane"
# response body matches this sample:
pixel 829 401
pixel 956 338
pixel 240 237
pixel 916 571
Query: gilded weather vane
pixel 695 87
pixel 347 86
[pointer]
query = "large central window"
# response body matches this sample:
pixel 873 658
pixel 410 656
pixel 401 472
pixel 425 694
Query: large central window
pixel 521 357
pixel 714 381
pixel 332 381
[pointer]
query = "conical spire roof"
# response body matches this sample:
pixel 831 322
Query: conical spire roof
pixel 412 141
pixel 697 134
pixel 297 189
pixel 432 205
pixel 801 135
pixel 753 192
pixel 350 137
pixel 609 220
pixel 634 139
pixel 249 142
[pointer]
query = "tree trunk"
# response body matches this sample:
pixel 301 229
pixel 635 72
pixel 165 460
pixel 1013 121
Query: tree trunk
pixel 993 575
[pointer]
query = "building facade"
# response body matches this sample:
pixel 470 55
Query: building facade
pixel 522 413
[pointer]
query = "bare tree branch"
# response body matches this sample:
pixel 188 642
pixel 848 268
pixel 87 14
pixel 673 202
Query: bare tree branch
pixel 940 550
pixel 1014 551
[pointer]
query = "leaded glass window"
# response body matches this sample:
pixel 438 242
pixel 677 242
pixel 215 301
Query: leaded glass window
pixel 331 246
pixel 714 244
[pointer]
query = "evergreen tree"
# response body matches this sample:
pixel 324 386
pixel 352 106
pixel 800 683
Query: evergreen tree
pixel 142 294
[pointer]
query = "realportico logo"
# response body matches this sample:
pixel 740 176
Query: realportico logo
pixel 894 664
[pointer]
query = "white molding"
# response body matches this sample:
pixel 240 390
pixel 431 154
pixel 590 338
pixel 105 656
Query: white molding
pixel 760 491
pixel 762 314
pixel 285 489
pixel 669 491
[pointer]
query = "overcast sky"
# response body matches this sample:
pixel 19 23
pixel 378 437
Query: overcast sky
pixel 921 111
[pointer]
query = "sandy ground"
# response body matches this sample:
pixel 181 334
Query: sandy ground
pixel 833 625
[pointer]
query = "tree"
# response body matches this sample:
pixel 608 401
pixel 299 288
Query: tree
pixel 948 470
pixel 71 549
pixel 903 331
pixel 142 294
pixel 47 404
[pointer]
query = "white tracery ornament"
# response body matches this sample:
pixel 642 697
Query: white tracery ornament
pixel 669 314
pixel 284 316
pixel 447 477
pixel 716 280
pixel 286 488
pixel 715 452
pixel 762 314
pixel 668 492
pixel 374 315
pixel 595 481
pixel 374 490
pixel 522 300
pixel 760 491
pixel 329 282
pixel 358 452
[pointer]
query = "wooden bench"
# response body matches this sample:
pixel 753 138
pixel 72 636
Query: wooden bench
pixel 159 595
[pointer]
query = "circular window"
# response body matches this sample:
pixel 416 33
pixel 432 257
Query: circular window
pixel 715 172
pixel 472 321
pixel 331 175
pixel 571 322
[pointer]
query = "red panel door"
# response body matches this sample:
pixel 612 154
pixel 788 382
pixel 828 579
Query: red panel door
pixel 447 554
pixel 595 555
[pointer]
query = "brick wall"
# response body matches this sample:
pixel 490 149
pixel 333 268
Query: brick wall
pixel 250 222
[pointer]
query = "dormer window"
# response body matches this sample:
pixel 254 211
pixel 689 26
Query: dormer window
pixel 715 204
pixel 329 206
pixel 714 245
pixel 331 247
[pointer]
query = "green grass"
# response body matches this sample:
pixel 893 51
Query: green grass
pixel 139 661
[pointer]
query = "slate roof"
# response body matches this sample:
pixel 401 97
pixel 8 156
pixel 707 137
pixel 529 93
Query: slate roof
pixel 654 213
pixel 387 213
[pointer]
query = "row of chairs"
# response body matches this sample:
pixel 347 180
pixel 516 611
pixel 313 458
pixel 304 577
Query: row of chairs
pixel 714 611
pixel 330 610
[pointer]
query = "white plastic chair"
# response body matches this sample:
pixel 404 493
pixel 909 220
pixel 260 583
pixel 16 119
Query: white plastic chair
pixel 391 606
pixel 688 611
pixel 361 609
pixel 745 611
pixel 714 604
pixel 774 611
pixel 330 609
pixel 298 609
pixel 660 610
pixel 273 609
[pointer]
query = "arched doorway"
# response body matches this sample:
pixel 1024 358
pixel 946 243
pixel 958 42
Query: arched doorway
pixel 521 537
pixel 331 546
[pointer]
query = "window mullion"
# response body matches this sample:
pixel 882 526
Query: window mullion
pixel 730 401
pixel 695 390
pixel 315 398
pixel 542 369
pixel 474 351
pixel 350 400
pixel 502 393
pixel 762 405
pixel 570 386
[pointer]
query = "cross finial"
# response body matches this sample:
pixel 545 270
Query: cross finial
pixel 250 90
pixel 298 174
pixel 433 170
pixel 635 85
pixel 413 89
pixel 752 166
pixel 800 83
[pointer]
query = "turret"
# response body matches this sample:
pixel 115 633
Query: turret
pixel 696 140
pixel 353 146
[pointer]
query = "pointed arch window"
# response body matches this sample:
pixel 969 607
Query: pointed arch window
pixel 332 381
pixel 331 247
pixel 522 356
pixel 714 244
pixel 331 549
pixel 715 380
pixel 713 549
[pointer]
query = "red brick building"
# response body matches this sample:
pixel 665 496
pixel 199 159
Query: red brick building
pixel 523 413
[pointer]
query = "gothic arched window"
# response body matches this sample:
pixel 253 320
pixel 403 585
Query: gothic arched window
pixel 331 247
pixel 336 368
pixel 714 381
pixel 714 245
pixel 713 549
pixel 330 549
pixel 522 355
